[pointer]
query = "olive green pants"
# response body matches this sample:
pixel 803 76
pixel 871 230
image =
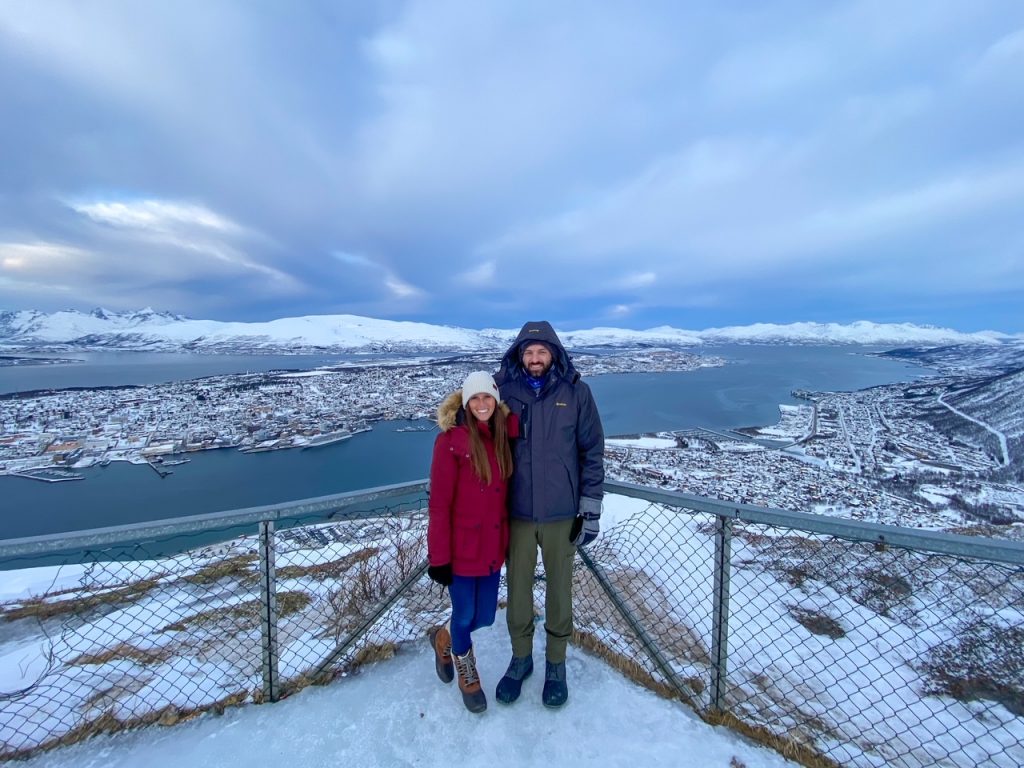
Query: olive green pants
pixel 557 554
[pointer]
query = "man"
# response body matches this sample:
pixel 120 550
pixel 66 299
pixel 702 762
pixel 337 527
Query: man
pixel 554 499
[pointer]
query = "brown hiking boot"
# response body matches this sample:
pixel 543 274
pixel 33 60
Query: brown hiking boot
pixel 441 640
pixel 469 682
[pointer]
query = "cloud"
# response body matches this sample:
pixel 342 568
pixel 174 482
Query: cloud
pixel 638 280
pixel 931 205
pixel 1005 55
pixel 186 227
pixel 355 259
pixel 395 285
pixel 38 258
pixel 483 274
pixel 156 216
pixel 400 288
pixel 672 159
pixel 53 275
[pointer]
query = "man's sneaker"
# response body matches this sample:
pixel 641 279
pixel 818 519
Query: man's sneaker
pixel 555 689
pixel 511 685
pixel 441 640
pixel 469 682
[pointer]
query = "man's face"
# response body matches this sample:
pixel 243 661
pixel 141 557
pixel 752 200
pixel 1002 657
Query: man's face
pixel 536 359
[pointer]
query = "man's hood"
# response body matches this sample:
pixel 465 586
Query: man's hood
pixel 511 361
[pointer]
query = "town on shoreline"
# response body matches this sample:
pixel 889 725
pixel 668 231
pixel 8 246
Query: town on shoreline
pixel 871 454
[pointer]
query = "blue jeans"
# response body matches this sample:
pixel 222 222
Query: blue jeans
pixel 474 602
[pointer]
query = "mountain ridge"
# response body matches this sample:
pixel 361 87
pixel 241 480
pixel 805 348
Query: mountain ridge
pixel 147 329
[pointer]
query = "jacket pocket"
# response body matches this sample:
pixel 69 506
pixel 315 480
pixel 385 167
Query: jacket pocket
pixel 572 483
pixel 467 541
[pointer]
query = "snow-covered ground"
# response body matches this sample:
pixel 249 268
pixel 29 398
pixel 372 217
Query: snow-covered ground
pixel 397 713
pixel 833 645
pixel 642 442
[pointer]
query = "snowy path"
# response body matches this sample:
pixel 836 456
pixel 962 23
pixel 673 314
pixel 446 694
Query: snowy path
pixel 1001 437
pixel 849 441
pixel 397 713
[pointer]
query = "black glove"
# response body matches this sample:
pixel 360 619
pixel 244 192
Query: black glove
pixel 442 574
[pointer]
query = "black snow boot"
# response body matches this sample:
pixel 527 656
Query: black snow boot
pixel 511 685
pixel 556 691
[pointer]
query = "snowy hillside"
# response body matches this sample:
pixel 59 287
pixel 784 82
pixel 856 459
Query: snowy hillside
pixel 860 332
pixel 150 330
pixel 966 359
pixel 992 411
pixel 996 402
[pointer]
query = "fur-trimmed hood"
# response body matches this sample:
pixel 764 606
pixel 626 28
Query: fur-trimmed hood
pixel 450 412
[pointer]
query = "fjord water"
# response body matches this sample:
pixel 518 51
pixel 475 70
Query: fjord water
pixel 745 392
pixel 118 369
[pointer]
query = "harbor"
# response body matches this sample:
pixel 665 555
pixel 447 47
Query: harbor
pixel 49 475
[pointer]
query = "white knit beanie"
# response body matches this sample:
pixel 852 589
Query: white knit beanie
pixel 479 383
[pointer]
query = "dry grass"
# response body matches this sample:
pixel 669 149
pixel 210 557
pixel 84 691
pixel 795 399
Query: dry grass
pixel 44 607
pixel 329 570
pixel 234 567
pixel 289 603
pixel 366 655
pixel 983 661
pixel 374 577
pixel 109 723
pixel 627 666
pixel 982 529
pixel 143 656
pixel 790 748
pixel 817 623
pixel 246 613
pixel 647 600
pixel 241 615
pixel 793 747
pixel 651 606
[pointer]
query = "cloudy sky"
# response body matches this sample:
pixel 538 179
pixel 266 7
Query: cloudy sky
pixel 483 163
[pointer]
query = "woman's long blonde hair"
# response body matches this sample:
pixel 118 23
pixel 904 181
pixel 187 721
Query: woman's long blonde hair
pixel 502 449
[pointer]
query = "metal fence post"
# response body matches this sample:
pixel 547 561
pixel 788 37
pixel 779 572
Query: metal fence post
pixel 720 613
pixel 268 611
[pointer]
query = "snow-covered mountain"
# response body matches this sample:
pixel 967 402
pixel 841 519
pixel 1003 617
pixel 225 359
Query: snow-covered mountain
pixel 30 326
pixel 860 332
pixel 618 337
pixel 150 330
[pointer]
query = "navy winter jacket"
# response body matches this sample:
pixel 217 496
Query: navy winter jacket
pixel 559 456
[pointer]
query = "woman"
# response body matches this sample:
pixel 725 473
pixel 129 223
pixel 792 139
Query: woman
pixel 467 535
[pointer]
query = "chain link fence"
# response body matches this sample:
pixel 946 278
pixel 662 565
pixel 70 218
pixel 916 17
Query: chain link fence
pixel 835 642
pixel 111 636
pixel 836 648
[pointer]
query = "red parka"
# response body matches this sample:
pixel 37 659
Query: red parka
pixel 468 520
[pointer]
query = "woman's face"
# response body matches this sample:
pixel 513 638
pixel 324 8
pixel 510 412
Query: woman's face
pixel 482 406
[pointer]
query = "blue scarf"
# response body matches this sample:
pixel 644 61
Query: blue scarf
pixel 535 384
